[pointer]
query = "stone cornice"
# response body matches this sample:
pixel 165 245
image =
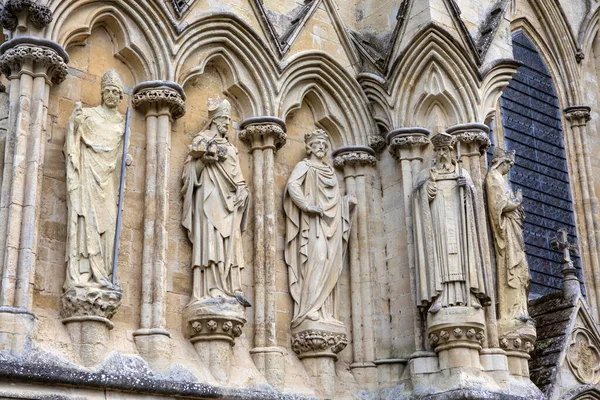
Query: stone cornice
pixel 38 15
pixel 578 114
pixel 22 50
pixel 255 130
pixel 475 133
pixel 353 155
pixel 166 93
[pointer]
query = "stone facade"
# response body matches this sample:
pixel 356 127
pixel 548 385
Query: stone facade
pixel 379 79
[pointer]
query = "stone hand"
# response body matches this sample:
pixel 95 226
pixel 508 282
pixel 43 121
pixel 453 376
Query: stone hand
pixel 519 196
pixel 315 210
pixel 129 160
pixel 210 158
pixel 241 196
pixel 461 181
pixel 353 200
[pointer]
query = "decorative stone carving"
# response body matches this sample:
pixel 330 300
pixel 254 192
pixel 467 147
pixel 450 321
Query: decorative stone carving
pixel 507 216
pixel 583 357
pixel 578 113
pixel 318 222
pixel 407 138
pixel 93 151
pixel 570 286
pixel 448 253
pixel 258 131
pixel 215 208
pixel 161 92
pixel 474 135
pixel 38 51
pixel 354 155
pixel 377 143
pixel 38 15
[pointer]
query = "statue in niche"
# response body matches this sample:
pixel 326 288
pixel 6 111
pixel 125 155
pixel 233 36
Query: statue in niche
pixel 215 209
pixel 506 217
pixel 317 232
pixel 93 151
pixel 449 261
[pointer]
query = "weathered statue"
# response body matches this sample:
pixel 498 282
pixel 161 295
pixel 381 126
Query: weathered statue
pixel 93 151
pixel 449 261
pixel 317 232
pixel 506 217
pixel 215 207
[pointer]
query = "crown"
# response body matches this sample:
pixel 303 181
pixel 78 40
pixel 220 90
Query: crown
pixel 443 139
pixel 218 108
pixel 501 155
pixel 112 78
pixel 319 133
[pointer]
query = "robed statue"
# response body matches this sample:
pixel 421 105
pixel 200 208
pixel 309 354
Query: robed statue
pixel 507 216
pixel 448 254
pixel 215 209
pixel 93 150
pixel 317 230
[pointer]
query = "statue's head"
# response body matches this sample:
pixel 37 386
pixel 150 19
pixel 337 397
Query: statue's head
pixel 112 89
pixel 443 144
pixel 317 143
pixel 503 160
pixel 219 113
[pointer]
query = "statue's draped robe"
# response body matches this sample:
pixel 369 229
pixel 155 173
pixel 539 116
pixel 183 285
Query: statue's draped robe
pixel 507 227
pixel 93 151
pixel 315 246
pixel 448 254
pixel 214 224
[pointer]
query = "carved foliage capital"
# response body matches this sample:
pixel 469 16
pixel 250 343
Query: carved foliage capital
pixel 318 343
pixel 90 302
pixel 449 336
pixel 523 344
pixel 578 115
pixel 255 135
pixel 583 357
pixel 38 15
pixel 353 156
pixel 13 59
pixel 400 142
pixel 377 143
pixel 478 138
pixel 164 96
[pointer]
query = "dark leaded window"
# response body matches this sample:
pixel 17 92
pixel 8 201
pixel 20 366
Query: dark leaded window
pixel 180 6
pixel 532 127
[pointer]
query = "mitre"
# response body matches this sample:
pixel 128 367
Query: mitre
pixel 112 78
pixel 442 139
pixel 218 108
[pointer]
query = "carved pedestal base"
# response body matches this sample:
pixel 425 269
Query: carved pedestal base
pixel 317 344
pixel 86 312
pixel 518 345
pixel 16 326
pixel 154 345
pixel 212 325
pixel 270 362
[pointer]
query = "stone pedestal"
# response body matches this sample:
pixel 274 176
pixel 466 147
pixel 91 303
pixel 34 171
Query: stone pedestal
pixel 16 326
pixel 154 345
pixel 212 325
pixel 86 311
pixel 456 334
pixel 518 345
pixel 270 361
pixel 317 343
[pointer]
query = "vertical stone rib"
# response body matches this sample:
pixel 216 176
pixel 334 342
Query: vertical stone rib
pixel 149 218
pixel 270 245
pixel 259 249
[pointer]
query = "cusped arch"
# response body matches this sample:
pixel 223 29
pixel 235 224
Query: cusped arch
pixel 250 70
pixel 346 105
pixel 454 85
pixel 76 19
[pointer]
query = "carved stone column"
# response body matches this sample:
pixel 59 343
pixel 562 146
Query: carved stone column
pixel 162 102
pixel 357 163
pixel 265 135
pixel 407 145
pixel 32 66
pixel 578 117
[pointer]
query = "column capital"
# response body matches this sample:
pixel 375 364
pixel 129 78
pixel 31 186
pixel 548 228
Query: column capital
pixel 406 139
pixel 17 14
pixel 34 56
pixel 578 115
pixel 353 156
pixel 161 93
pixel 263 132
pixel 474 134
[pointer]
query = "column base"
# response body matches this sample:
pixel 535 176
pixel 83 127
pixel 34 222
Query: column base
pixel 154 346
pixel 212 325
pixel 365 374
pixel 317 344
pixel 271 363
pixel 16 327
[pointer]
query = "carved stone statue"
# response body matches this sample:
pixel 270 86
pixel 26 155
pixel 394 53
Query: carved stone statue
pixel 93 151
pixel 506 217
pixel 215 208
pixel 449 261
pixel 317 232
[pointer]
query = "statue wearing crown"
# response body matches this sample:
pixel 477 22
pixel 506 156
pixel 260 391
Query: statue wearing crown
pixel 449 259
pixel 507 216
pixel 93 150
pixel 215 209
